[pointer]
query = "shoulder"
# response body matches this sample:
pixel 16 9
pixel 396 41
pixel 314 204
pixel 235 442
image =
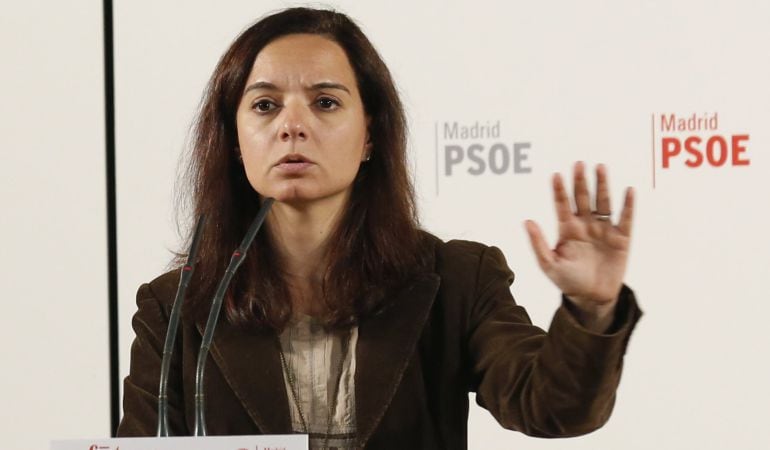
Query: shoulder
pixel 468 261
pixel 161 290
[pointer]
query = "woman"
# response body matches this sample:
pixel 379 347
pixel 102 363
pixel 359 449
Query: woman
pixel 347 321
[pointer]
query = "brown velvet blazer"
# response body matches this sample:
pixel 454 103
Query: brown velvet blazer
pixel 452 331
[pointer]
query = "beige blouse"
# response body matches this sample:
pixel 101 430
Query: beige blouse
pixel 321 364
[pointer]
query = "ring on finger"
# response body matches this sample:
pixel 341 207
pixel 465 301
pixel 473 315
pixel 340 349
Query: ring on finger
pixel 601 216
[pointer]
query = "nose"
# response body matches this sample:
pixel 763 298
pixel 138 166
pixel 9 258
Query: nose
pixel 293 127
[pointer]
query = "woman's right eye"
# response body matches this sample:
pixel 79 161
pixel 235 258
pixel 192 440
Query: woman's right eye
pixel 264 106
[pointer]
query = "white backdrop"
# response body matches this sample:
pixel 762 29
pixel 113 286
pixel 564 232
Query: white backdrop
pixel 565 81
pixel 54 369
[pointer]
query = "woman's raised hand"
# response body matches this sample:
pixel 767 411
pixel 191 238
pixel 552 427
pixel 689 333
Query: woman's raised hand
pixel 589 260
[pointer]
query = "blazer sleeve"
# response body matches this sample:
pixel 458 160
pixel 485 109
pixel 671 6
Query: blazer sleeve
pixel 556 384
pixel 141 386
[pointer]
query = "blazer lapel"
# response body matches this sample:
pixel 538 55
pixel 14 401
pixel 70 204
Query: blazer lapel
pixel 386 342
pixel 257 382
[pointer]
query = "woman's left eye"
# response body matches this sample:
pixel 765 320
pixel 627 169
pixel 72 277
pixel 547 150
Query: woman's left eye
pixel 327 103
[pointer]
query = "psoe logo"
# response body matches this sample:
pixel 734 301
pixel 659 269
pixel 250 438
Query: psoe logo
pixel 696 141
pixel 480 148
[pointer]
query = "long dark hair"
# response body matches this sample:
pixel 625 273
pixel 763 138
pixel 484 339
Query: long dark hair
pixel 376 245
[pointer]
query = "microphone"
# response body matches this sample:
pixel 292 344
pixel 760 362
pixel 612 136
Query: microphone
pixel 173 324
pixel 235 261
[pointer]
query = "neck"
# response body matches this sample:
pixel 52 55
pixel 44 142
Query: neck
pixel 301 237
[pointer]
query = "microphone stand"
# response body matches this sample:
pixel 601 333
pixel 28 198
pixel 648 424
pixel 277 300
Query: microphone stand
pixel 235 261
pixel 173 324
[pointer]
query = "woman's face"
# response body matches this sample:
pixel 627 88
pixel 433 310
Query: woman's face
pixel 302 129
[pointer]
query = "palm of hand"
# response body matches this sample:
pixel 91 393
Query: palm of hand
pixel 589 260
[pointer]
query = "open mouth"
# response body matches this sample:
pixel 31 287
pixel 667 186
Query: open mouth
pixel 294 158
pixel 294 163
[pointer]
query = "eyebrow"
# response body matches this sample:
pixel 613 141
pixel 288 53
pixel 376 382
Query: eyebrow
pixel 316 87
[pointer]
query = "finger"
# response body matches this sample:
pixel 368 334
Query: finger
pixel 602 191
pixel 627 216
pixel 544 254
pixel 582 197
pixel 560 199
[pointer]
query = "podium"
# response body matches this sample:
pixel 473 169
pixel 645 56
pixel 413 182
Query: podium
pixel 264 442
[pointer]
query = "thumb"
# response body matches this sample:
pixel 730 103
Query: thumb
pixel 544 254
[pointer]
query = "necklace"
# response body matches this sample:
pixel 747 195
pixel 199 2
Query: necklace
pixel 331 405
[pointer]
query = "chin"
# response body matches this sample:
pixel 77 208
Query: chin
pixel 292 196
pixel 302 196
pixel 300 192
pixel 292 193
